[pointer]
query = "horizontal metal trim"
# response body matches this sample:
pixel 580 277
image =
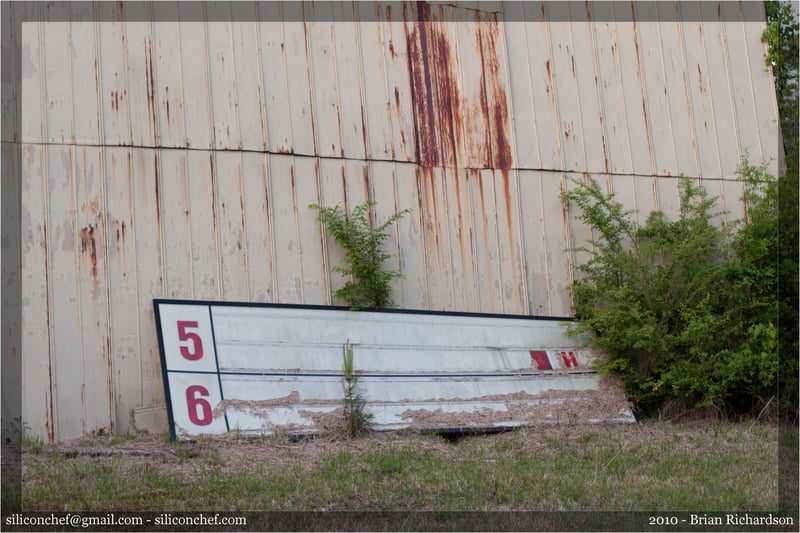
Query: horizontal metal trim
pixel 367 374
pixel 163 301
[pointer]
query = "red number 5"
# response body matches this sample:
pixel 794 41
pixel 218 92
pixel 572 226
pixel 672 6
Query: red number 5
pixel 193 402
pixel 197 343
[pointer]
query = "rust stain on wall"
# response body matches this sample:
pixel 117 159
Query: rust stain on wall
pixel 498 115
pixel 150 83
pixel 89 247
pixel 439 106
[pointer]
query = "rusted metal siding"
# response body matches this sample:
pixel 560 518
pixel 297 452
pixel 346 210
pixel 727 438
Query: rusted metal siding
pixel 175 156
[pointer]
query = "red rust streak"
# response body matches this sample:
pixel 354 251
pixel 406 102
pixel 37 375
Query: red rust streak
pixel 151 84
pixel 89 245
pixel 500 147
pixel 166 102
pixel 422 88
pixel 449 101
pixel 158 193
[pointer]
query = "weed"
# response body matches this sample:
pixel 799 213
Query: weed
pixel 356 416
pixel 369 283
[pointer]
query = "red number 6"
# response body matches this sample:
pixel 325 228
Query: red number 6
pixel 197 343
pixel 193 402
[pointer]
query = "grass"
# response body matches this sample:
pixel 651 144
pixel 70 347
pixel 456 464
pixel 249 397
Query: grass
pixel 653 467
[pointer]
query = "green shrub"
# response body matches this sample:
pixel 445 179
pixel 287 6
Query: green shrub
pixel 781 36
pixel 685 312
pixel 369 283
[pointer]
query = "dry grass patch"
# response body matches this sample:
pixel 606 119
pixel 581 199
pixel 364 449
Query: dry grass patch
pixel 656 466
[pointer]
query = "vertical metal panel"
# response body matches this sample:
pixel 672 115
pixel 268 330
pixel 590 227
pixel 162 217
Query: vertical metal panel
pixel 274 85
pixel 322 66
pixel 333 192
pixel 383 184
pixel 196 93
pixel 396 50
pixel 231 230
pixel 352 116
pixel 93 291
pixel 176 224
pixel 114 92
pixel 613 99
pixel 203 224
pixel 589 93
pixel 462 249
pixel 298 79
pixel 556 228
pixel 411 233
pixel 521 87
pixel 287 246
pixel 169 87
pixel 146 181
pixel 63 246
pixel 223 91
pixel 494 57
pixel 377 110
pixel 437 245
pixel 31 83
pixel 486 246
pixel 633 98
pixel 719 82
pixel 563 73
pixel 473 92
pixel 655 90
pixel 508 238
pixel 141 83
pixel 37 371
pixel 58 83
pixel 247 64
pixel 256 204
pixel 668 197
pixel 742 85
pixel 533 237
pixel 123 285
pixel 545 105
pixel 697 73
pixel 85 75
pixel 680 107
pixel 309 234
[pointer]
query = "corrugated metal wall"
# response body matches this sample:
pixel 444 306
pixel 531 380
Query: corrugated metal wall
pixel 175 155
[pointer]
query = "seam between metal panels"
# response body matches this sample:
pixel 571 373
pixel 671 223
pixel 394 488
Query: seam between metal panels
pixel 262 112
pixel 45 160
pixel 112 389
pixel 213 161
pixel 270 216
pixel 414 163
pixel 77 283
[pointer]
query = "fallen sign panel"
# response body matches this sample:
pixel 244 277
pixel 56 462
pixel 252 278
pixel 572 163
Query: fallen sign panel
pixel 260 368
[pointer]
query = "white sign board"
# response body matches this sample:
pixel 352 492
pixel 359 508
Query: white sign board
pixel 258 368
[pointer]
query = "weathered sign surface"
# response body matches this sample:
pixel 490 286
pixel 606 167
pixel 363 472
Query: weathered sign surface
pixel 257 368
